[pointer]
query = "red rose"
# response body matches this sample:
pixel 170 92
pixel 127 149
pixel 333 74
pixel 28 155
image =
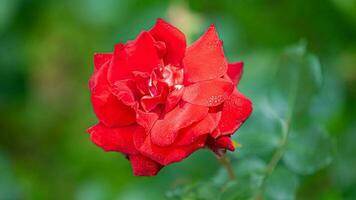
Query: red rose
pixel 158 101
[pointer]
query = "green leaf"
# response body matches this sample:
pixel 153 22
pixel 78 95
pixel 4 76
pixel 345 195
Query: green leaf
pixel 8 9
pixel 93 190
pixel 281 185
pixel 308 151
pixel 199 191
pixel 298 79
pixel 261 137
pixel 249 172
pixel 348 7
pixel 343 167
pixel 10 187
pixel 236 190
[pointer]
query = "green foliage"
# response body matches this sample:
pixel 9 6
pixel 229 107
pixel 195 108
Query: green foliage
pixel 281 185
pixel 46 60
pixel 282 144
pixel 308 151
pixel 198 191
pixel 8 187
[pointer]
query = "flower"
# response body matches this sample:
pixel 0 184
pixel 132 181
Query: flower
pixel 158 101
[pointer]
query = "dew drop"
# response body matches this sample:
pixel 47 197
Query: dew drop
pixel 215 100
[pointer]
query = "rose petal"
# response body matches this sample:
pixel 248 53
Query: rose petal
pixel 226 143
pixel 174 40
pixel 112 112
pixel 108 108
pixel 215 109
pixel 205 60
pixel 173 99
pixel 138 55
pixel 123 90
pixel 208 93
pixel 113 139
pixel 237 108
pixel 146 119
pixel 234 71
pixel 216 133
pixel 165 155
pixel 140 136
pixel 141 80
pixel 161 48
pixel 148 103
pixel 205 126
pixel 100 59
pixel 220 145
pixel 143 166
pixel 165 131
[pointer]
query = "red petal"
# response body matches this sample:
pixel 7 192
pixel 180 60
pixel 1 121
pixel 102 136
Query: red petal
pixel 205 126
pixel 140 136
pixel 112 112
pixel 215 109
pixel 141 81
pixel 173 99
pixel 138 55
pixel 143 166
pixel 226 143
pixel 234 71
pixel 146 119
pixel 165 155
pixel 101 58
pixel 205 60
pixel 165 131
pixel 208 93
pixel 237 108
pixel 161 48
pixel 216 133
pixel 219 146
pixel 108 108
pixel 113 139
pixel 123 90
pixel 174 40
pixel 148 103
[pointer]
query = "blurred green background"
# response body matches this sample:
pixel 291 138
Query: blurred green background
pixel 46 52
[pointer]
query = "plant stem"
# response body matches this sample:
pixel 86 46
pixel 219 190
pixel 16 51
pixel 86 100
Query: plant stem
pixel 227 165
pixel 276 157
pixel 278 154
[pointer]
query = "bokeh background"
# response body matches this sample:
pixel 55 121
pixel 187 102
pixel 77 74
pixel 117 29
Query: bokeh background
pixel 46 52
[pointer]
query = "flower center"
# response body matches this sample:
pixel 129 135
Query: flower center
pixel 165 76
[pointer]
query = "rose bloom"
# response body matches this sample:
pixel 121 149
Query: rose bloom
pixel 158 101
